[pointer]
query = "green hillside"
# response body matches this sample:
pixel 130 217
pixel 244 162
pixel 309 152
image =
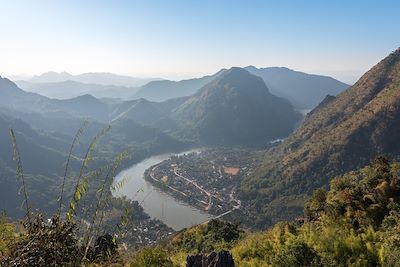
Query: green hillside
pixel 341 134
pixel 355 223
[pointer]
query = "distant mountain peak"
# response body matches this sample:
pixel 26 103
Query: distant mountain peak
pixel 235 73
pixel 236 108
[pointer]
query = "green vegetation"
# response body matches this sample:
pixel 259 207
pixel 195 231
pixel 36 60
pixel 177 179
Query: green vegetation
pixel 83 236
pixel 214 236
pixel 343 133
pixel 152 257
pixel 8 234
pixel 355 223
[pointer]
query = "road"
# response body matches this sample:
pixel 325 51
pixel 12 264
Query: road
pixel 194 183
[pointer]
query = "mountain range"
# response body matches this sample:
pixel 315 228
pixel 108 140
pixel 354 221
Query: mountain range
pixel 303 90
pixel 234 99
pixel 233 108
pixel 165 89
pixel 69 89
pixel 101 78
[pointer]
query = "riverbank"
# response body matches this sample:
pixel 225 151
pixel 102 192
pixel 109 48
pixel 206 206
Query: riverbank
pixel 156 203
pixel 206 180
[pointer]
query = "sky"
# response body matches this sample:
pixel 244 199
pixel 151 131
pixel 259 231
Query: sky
pixel 178 39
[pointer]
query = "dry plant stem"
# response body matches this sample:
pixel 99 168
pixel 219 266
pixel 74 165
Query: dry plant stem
pixel 74 143
pixel 20 172
pixel 84 165
pixel 110 174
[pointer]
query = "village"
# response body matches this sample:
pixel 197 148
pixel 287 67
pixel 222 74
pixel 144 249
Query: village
pixel 206 179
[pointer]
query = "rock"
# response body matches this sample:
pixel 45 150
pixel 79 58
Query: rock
pixel 220 259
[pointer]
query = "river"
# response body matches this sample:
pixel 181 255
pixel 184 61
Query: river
pixel 156 203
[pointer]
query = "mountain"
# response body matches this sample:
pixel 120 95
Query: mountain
pixel 45 128
pixel 86 106
pixel 341 134
pixel 141 111
pixel 101 78
pixel 42 157
pixel 44 112
pixel 15 99
pixel 69 89
pixel 304 90
pixel 235 109
pixel 162 90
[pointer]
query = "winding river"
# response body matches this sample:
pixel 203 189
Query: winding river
pixel 156 203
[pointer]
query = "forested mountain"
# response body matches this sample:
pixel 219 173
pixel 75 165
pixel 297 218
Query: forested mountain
pixel 43 156
pixel 165 89
pixel 44 130
pixel 341 134
pixel 305 91
pixel 235 108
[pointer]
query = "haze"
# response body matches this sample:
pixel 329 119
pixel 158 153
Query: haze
pixel 182 39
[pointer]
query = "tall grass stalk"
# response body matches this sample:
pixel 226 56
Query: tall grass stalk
pixel 80 188
pixel 101 199
pixel 75 142
pixel 20 172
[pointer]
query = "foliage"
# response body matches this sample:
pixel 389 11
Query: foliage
pixel 296 253
pixel 355 223
pixel 45 244
pixel 151 257
pixel 343 133
pixel 55 242
pixel 215 235
pixel 7 234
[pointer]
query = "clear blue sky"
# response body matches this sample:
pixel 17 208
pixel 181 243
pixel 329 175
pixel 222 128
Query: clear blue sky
pixel 182 38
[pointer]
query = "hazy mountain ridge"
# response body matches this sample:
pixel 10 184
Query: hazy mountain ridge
pixel 42 156
pixel 165 89
pixel 303 90
pixel 69 89
pixel 45 128
pixel 100 78
pixel 342 134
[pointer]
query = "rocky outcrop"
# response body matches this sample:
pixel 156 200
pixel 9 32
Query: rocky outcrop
pixel 220 259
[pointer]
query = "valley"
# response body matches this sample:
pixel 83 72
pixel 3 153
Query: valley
pixel 156 203
pixel 199 133
pixel 207 179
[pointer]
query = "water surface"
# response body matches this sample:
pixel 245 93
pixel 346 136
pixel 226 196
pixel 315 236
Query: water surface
pixel 155 202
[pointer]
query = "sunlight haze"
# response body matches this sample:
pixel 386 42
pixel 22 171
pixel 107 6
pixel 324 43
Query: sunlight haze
pixel 181 39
